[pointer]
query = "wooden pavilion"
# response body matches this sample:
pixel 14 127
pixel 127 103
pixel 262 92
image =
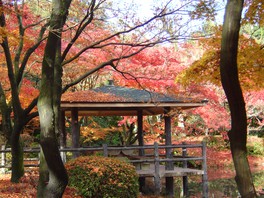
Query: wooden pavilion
pixel 114 100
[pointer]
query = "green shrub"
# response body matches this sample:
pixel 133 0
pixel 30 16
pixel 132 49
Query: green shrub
pixel 216 142
pixel 256 149
pixel 102 177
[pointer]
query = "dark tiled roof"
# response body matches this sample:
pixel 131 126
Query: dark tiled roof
pixel 114 100
pixel 136 95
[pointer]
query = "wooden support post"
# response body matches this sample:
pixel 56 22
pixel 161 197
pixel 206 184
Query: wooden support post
pixel 62 136
pixel 105 150
pixel 168 141
pixel 75 131
pixel 204 176
pixel 62 129
pixel 157 169
pixel 140 132
pixel 184 178
pixel 142 180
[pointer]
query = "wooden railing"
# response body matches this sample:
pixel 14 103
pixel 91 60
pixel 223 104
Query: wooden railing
pixel 162 160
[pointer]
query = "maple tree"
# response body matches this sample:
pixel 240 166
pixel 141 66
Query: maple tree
pixel 250 71
pixel 80 41
pixel 250 68
pixel 60 41
pixel 230 82
pixel 154 71
pixel 16 114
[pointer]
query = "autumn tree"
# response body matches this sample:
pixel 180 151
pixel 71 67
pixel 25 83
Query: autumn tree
pixel 12 43
pixel 249 63
pixel 66 36
pixel 239 60
pixel 231 85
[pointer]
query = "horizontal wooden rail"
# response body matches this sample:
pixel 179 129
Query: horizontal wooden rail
pixel 161 165
pixel 107 149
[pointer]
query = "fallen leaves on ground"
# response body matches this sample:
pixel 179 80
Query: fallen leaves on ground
pixel 27 187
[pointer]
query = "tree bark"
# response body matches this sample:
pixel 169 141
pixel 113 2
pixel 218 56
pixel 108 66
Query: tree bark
pixel 19 118
pixel 17 156
pixel 6 116
pixel 231 85
pixel 53 176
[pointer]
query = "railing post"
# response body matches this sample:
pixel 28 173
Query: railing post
pixel 63 154
pixel 157 169
pixel 3 160
pixel 184 178
pixel 105 150
pixel 204 167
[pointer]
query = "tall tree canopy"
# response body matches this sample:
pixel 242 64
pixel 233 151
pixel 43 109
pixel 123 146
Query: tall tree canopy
pixel 49 47
pixel 40 40
pixel 231 85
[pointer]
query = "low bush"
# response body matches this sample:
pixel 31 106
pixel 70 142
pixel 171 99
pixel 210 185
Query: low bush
pixel 256 149
pixel 96 176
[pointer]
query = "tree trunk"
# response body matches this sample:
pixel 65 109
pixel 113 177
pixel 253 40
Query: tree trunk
pixel 17 157
pixel 231 85
pixel 19 118
pixel 57 176
pixel 6 116
pixel 53 176
pixel 43 174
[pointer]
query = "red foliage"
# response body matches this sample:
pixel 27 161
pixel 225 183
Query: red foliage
pixel 27 187
pixel 155 68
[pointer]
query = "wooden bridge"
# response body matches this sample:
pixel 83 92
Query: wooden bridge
pixel 149 161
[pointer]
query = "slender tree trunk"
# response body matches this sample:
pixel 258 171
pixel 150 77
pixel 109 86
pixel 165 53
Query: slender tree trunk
pixel 6 116
pixel 231 85
pixel 16 147
pixel 17 157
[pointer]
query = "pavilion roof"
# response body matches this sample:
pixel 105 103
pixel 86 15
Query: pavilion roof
pixel 116 100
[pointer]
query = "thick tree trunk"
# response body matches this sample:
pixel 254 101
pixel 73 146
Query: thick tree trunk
pixel 53 176
pixel 231 85
pixel 43 175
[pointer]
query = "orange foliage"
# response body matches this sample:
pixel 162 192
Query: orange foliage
pixel 90 96
pixel 250 61
pixel 27 187
pixel 27 93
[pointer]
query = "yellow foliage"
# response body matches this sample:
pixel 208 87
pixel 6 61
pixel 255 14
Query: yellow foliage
pixel 207 69
pixel 254 12
pixel 2 33
pixel 91 133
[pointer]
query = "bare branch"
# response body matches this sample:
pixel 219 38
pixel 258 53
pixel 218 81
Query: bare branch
pixel 31 106
pixel 89 15
pixel 35 24
pixel 110 62
pixel 96 44
pixel 21 38
pixel 30 51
